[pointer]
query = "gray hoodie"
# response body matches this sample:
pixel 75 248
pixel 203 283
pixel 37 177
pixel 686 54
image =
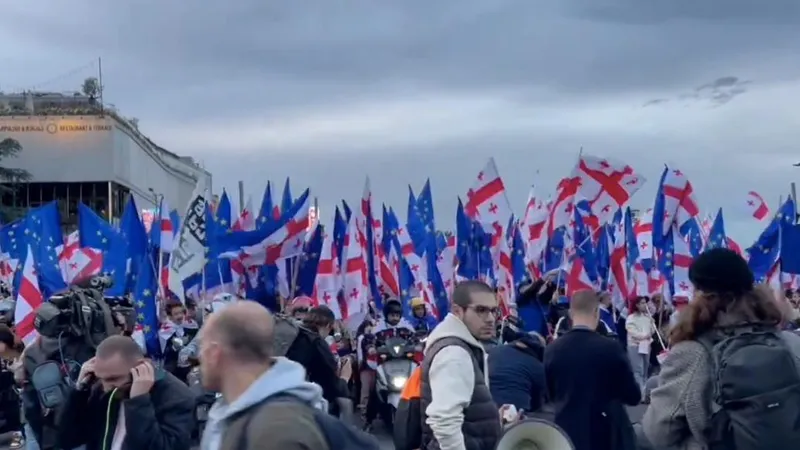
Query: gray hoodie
pixel 285 377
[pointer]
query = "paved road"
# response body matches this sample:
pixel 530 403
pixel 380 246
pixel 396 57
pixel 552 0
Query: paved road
pixel 386 443
pixel 635 413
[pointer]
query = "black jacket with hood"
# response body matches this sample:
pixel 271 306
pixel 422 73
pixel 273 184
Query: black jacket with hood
pixel 160 420
pixel 43 423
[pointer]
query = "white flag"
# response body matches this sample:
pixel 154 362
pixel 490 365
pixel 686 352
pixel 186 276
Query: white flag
pixel 189 255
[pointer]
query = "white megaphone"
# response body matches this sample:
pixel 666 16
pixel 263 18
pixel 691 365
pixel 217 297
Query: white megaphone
pixel 534 434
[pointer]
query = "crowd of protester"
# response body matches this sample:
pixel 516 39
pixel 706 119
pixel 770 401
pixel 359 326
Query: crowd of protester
pixel 290 380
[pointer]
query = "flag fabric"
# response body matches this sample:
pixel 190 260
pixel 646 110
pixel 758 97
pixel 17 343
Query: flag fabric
pixel 189 255
pixel 756 205
pixel 587 232
pixel 29 298
pixel 146 307
pixel 607 185
pixel 486 199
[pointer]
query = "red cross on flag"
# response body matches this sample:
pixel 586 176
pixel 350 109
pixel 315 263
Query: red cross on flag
pixel 533 228
pixel 385 264
pixel 418 266
pixel 246 220
pixel 562 211
pixel 618 283
pixel 29 297
pixel 504 278
pixel 354 304
pixel 756 206
pixel 76 263
pixel 681 260
pixel 577 277
pixel 328 282
pixel 608 185
pixel 679 201
pixel 643 230
pixel 85 263
pixel 286 242
pixel 486 199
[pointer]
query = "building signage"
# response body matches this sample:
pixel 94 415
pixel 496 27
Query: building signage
pixel 54 127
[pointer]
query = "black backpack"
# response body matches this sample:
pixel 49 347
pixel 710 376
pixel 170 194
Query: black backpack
pixel 756 390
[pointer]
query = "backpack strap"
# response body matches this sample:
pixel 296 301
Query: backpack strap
pixel 252 412
pixel 708 342
pixel 336 433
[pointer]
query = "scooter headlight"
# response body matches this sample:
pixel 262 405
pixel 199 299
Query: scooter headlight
pixel 399 382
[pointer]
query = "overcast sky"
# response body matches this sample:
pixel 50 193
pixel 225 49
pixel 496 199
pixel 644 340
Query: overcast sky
pixel 329 92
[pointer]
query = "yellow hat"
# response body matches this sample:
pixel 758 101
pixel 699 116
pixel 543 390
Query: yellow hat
pixel 417 301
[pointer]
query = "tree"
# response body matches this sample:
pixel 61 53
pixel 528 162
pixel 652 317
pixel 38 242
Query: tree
pixel 10 177
pixel 91 87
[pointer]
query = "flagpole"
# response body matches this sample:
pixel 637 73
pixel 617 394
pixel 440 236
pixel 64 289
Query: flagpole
pixel 295 267
pixel 160 203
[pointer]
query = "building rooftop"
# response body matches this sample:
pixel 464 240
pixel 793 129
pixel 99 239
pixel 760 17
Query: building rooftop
pixel 72 104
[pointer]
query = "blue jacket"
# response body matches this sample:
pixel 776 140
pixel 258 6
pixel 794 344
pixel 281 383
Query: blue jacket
pixel 608 318
pixel 516 377
pixel 428 322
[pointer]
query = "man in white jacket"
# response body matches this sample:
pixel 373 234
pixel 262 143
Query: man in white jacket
pixel 458 410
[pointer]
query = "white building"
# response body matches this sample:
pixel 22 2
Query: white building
pixel 77 151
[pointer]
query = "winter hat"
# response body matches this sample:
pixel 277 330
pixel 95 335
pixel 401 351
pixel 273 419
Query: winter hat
pixel 721 270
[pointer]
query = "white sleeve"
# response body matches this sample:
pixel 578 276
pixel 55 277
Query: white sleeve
pixel 452 380
pixel 138 337
pixel 557 328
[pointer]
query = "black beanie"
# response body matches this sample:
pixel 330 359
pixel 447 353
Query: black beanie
pixel 721 270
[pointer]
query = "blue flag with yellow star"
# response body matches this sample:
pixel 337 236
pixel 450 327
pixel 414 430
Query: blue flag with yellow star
pixel 765 252
pixel 96 233
pixel 145 306
pixel 42 231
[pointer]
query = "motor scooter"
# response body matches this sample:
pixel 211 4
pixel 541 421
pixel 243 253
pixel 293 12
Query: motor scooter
pixel 395 364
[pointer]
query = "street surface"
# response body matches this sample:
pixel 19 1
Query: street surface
pixel 385 439
pixel 635 413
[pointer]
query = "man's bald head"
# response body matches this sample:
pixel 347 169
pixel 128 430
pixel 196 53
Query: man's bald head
pixel 245 329
pixel 119 345
pixel 116 355
pixel 584 303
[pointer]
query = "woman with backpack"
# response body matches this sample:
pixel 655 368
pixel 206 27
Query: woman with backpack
pixel 732 378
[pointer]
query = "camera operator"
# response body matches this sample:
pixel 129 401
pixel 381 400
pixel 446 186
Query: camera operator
pixel 70 327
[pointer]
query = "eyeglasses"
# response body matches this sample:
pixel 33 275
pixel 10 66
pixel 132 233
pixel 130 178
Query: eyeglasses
pixel 484 311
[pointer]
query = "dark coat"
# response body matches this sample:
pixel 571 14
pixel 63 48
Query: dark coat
pixel 315 356
pixel 588 377
pixel 161 420
pixel 516 377
pixel 75 352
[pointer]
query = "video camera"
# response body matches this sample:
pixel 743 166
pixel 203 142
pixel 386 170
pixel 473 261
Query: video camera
pixel 81 311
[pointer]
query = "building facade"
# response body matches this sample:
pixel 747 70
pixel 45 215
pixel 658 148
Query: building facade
pixel 77 152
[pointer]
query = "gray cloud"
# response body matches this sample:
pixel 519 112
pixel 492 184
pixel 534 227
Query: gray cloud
pixel 404 90
pixel 716 93
pixel 772 12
